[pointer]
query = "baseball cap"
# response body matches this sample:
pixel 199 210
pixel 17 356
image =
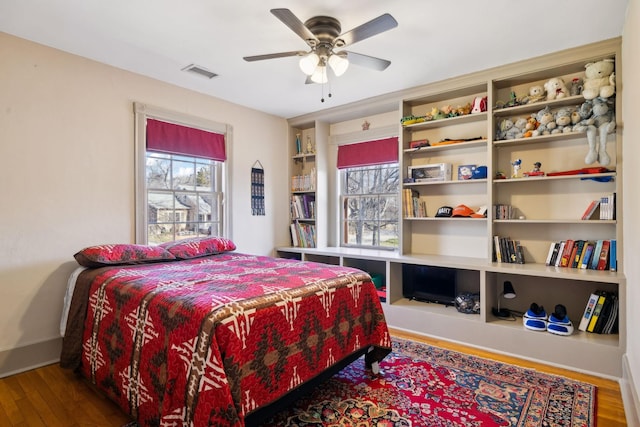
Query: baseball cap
pixel 444 211
pixel 466 211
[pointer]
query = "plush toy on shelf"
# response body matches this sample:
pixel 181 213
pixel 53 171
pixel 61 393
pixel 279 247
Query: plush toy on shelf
pixel 546 122
pixel 556 89
pixel 599 79
pixel 563 121
pixel 536 94
pixel 604 123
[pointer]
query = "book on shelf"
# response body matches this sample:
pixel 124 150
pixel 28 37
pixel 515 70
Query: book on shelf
pixel 566 253
pixel 596 255
pixel 576 253
pixel 304 182
pixel 603 257
pixel 503 211
pixel 496 248
pixel 303 235
pixel 508 250
pixel 560 252
pixel 412 206
pixel 596 311
pixel 613 255
pixel 553 252
pixel 587 253
pixel 604 315
pixel 591 209
pixel 608 207
pixel 588 311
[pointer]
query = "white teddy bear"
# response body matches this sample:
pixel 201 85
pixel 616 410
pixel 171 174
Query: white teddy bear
pixel 536 93
pixel 599 79
pixel 556 89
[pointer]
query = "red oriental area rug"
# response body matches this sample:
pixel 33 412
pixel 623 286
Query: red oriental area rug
pixel 424 386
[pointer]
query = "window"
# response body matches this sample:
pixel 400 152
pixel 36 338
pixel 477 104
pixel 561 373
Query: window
pixel 370 187
pixel 180 176
pixel 184 197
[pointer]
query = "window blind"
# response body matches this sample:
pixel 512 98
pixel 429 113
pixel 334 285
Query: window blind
pixel 176 139
pixel 368 153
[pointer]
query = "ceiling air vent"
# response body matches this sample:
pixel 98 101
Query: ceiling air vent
pixel 196 69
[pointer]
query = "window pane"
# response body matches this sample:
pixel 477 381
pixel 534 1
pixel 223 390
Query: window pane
pixel 183 175
pixel 389 208
pixel 354 181
pixel 203 177
pixel 158 172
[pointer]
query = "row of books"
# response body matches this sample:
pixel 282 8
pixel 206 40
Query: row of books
pixel 583 254
pixel 601 313
pixel 303 206
pixel 607 205
pixel 304 182
pixel 303 235
pixel 507 250
pixel 503 212
pixel 412 206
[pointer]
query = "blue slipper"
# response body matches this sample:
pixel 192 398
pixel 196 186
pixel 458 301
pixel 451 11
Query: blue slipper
pixel 535 318
pixel 559 322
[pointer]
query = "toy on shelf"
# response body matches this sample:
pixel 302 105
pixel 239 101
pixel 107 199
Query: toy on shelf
pixel 517 163
pixel 599 79
pixel 556 89
pixel 535 171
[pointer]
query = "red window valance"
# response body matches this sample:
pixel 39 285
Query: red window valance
pixel 176 139
pixel 368 153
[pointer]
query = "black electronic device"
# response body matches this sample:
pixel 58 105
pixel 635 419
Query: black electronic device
pixel 429 283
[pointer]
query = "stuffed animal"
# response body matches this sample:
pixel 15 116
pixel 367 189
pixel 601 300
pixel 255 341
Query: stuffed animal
pixel 576 86
pixel 604 123
pixel 518 129
pixel 479 104
pixel 546 122
pixel 531 126
pixel 599 79
pixel 582 117
pixel 536 93
pixel 563 120
pixel 556 89
pixel 504 126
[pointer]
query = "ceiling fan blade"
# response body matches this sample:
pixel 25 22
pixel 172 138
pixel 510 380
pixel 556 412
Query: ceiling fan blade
pixel 274 55
pixel 367 61
pixel 290 20
pixel 369 29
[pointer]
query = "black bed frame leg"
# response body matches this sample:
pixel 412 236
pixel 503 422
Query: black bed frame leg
pixel 374 365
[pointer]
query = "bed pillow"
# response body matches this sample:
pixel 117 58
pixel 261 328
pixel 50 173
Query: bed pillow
pixel 199 246
pixel 121 254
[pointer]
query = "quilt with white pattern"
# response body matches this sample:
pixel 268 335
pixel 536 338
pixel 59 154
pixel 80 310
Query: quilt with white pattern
pixel 207 341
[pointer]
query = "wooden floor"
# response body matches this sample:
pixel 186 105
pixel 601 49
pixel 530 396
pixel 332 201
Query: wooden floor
pixel 51 396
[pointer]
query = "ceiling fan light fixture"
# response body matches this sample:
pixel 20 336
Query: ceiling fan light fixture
pixel 320 75
pixel 338 64
pixel 309 63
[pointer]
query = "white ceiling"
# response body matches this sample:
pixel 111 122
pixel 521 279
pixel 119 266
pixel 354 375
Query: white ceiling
pixel 434 40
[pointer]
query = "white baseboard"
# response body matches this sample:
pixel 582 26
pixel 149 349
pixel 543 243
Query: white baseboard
pixel 630 397
pixel 29 357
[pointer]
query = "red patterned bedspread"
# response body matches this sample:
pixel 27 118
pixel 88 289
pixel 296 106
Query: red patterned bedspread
pixel 209 340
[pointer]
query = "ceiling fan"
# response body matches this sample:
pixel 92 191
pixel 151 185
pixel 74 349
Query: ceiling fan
pixel 322 35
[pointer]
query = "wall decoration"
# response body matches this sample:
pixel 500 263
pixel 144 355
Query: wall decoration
pixel 257 189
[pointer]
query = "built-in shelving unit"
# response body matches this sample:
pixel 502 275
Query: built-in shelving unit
pixel 547 209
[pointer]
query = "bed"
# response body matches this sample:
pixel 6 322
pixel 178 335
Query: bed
pixel 203 335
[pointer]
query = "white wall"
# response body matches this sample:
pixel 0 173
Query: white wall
pixel 631 203
pixel 67 174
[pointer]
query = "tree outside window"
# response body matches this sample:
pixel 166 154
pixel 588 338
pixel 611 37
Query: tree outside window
pixel 370 209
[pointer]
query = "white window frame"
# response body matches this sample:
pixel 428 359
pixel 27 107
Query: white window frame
pixel 344 196
pixel 142 113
